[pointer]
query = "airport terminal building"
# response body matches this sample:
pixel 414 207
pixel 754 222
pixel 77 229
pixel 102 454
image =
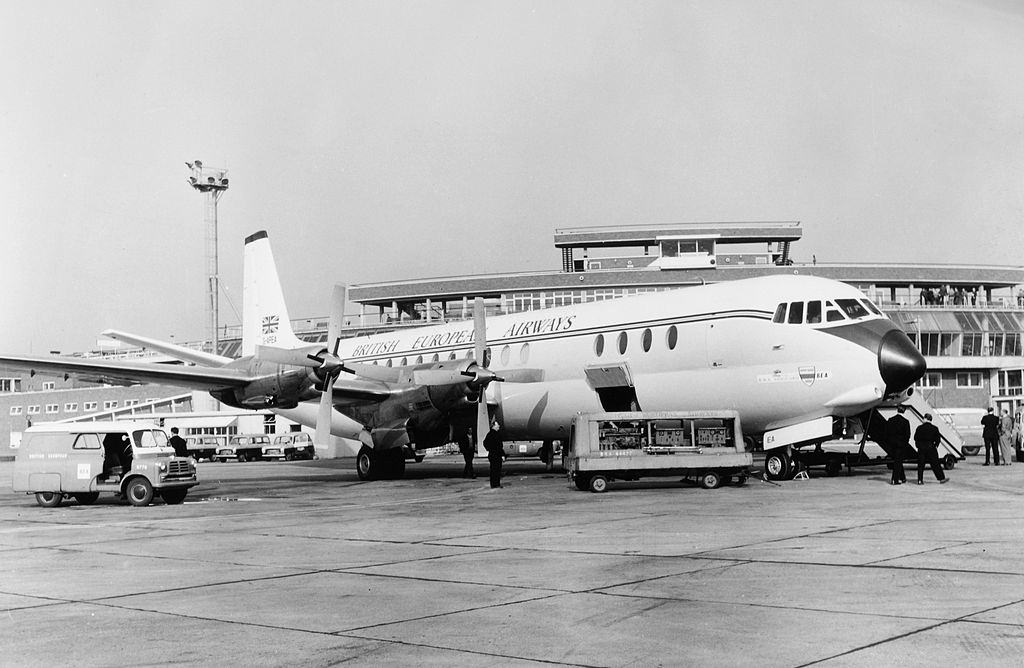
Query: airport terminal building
pixel 967 320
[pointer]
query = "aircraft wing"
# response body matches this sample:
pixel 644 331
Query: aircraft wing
pixel 350 391
pixel 117 372
pixel 170 349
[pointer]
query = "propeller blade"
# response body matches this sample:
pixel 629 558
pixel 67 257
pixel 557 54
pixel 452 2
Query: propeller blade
pixel 324 414
pixel 286 356
pixel 482 422
pixel 479 331
pixel 334 324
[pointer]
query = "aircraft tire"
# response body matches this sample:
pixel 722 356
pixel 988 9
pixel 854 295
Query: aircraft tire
pixel 367 464
pixel 86 498
pixel 777 465
pixel 49 499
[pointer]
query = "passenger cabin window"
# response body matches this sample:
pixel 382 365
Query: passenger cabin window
pixel 623 342
pixel 599 344
pixel 672 337
pixel 646 339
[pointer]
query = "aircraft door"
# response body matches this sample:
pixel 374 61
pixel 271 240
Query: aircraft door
pixel 725 344
pixel 614 386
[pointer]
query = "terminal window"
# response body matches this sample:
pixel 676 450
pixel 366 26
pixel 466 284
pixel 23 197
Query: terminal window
pixel 15 410
pixel 10 384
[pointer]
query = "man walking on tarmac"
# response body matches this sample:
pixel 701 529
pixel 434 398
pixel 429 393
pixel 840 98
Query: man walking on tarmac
pixel 495 452
pixel 467 449
pixel 926 438
pixel 178 443
pixel 897 437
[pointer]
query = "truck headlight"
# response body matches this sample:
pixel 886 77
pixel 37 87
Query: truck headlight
pixel 162 467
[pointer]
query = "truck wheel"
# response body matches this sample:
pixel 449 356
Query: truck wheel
pixel 948 462
pixel 49 499
pixel 173 497
pixel 86 498
pixel 710 480
pixel 598 484
pixel 776 466
pixel 139 492
pixel 972 450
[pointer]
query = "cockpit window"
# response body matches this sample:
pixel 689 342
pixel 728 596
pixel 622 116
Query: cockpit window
pixel 832 314
pixel 813 313
pixel 796 313
pixel 871 307
pixel 780 313
pixel 852 308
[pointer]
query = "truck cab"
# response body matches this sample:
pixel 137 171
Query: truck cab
pixel 84 459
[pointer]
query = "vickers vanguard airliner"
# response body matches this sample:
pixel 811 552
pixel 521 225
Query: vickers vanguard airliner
pixel 783 351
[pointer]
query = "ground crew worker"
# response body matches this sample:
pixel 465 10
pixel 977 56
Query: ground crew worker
pixel 495 452
pixel 178 443
pixel 926 438
pixel 468 450
pixel 990 434
pixel 897 437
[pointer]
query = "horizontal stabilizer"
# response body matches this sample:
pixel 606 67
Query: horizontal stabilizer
pixel 177 352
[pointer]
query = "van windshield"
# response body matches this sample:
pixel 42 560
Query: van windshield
pixel 149 438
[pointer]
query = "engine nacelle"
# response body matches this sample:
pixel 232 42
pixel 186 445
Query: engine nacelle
pixel 284 389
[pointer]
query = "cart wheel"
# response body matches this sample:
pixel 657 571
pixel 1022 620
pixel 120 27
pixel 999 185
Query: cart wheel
pixel 948 462
pixel 598 484
pixel 710 480
pixel 49 499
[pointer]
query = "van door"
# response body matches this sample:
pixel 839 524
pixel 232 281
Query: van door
pixel 84 464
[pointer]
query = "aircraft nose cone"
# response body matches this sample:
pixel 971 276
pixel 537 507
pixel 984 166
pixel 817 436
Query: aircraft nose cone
pixel 899 361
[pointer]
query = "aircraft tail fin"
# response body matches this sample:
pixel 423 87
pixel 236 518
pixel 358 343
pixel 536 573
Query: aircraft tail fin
pixel 265 320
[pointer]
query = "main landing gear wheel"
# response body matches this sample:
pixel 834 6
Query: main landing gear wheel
pixel 711 480
pixel 49 499
pixel 777 465
pixel 367 466
pixel 139 492
pixel 598 484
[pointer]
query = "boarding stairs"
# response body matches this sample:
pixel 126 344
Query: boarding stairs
pixel 951 444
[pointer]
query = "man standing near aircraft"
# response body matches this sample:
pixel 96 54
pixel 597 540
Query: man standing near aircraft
pixel 926 438
pixel 897 436
pixel 467 450
pixel 990 434
pixel 495 452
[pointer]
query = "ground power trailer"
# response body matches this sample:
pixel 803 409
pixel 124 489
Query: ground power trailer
pixel 706 445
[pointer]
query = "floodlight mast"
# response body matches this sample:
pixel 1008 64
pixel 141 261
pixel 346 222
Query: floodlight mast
pixel 212 182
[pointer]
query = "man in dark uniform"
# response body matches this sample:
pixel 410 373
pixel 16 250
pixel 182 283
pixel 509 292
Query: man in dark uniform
pixel 468 450
pixel 926 438
pixel 990 434
pixel 495 452
pixel 178 443
pixel 897 437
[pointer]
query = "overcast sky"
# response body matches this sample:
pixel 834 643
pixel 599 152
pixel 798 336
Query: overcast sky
pixel 395 140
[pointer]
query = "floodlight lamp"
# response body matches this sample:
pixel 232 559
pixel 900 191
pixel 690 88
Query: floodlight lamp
pixel 199 164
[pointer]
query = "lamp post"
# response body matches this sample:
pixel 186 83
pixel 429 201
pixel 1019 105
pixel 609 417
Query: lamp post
pixel 212 183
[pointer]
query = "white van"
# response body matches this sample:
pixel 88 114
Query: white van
pixel 82 459
pixel 967 422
